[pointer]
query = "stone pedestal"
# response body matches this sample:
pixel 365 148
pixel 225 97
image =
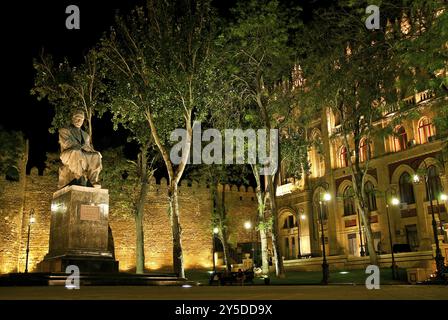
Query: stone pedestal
pixel 79 231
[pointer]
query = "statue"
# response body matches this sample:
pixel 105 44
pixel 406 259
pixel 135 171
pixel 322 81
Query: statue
pixel 81 163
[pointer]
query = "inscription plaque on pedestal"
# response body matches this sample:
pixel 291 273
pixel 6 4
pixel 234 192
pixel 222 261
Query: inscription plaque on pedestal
pixel 89 213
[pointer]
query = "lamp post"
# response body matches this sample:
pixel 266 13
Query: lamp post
pixel 439 259
pixel 215 232
pixel 30 222
pixel 325 197
pixel 361 252
pixel 248 226
pixel 393 201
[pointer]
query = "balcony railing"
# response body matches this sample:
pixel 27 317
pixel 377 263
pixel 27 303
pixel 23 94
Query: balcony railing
pixel 391 109
pixel 337 129
pixel 418 97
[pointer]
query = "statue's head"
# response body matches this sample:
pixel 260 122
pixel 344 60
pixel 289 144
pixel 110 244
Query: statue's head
pixel 78 118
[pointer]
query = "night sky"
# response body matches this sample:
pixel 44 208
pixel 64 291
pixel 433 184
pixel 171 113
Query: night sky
pixel 26 28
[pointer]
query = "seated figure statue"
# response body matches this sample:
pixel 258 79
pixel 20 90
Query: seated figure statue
pixel 81 163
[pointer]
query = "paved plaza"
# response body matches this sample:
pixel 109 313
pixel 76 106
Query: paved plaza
pixel 332 292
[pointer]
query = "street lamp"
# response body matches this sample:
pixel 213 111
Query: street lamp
pixel 325 197
pixel 439 259
pixel 31 220
pixel 248 226
pixel 395 202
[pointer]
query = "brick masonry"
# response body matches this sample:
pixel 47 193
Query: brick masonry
pixel 35 192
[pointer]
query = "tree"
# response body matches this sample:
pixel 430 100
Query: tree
pixel 12 151
pixel 68 87
pixel 231 112
pixel 423 47
pixel 354 72
pixel 129 182
pixel 260 61
pixel 164 52
pixel 214 176
pixel 423 51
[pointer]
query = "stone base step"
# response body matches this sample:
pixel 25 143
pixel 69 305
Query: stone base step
pixel 93 279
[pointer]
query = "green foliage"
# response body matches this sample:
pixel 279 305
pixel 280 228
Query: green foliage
pixel 294 154
pixel 160 64
pixel 258 58
pixel 265 225
pixel 11 151
pixel 123 179
pixel 52 164
pixel 352 69
pixel 259 69
pixel 423 51
pixel 68 87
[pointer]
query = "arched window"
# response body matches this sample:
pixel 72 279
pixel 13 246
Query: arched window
pixel 434 183
pixel 371 198
pixel 406 189
pixel 364 150
pixel 289 222
pixel 400 139
pixel 349 203
pixel 343 160
pixel 425 130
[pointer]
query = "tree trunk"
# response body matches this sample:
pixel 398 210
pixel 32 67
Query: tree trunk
pixel 178 259
pixel 358 179
pixel 271 181
pixel 222 219
pixel 264 251
pixel 262 220
pixel 225 246
pixel 89 124
pixel 368 232
pixel 174 178
pixel 279 267
pixel 140 212
pixel 365 214
pixel 140 243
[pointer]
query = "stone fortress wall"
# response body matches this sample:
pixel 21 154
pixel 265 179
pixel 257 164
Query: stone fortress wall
pixel 17 199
